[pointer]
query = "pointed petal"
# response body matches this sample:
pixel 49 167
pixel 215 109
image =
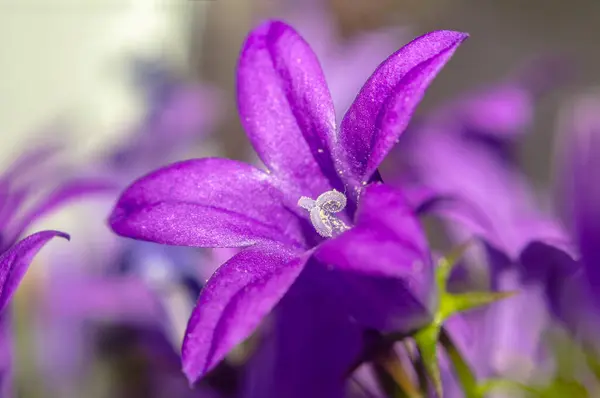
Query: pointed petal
pixel 15 261
pixel 355 61
pixel 386 102
pixel 205 202
pixel 286 108
pixel 233 303
pixel 385 259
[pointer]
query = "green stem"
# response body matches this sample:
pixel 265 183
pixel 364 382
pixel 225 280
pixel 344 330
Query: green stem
pixel 462 369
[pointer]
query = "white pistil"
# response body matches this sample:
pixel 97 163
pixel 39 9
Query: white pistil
pixel 322 212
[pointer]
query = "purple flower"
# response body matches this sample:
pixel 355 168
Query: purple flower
pixel 578 195
pixel 288 114
pixel 479 191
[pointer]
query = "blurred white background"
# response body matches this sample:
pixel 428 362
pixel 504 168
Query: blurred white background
pixel 65 59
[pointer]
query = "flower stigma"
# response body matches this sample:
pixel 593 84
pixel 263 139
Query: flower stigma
pixel 322 212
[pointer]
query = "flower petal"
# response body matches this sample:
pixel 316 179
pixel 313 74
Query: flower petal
pixel 234 301
pixel 386 102
pixel 309 345
pixel 385 217
pixel 580 189
pixel 488 197
pixel 388 251
pixel 286 108
pixel 556 270
pixel 205 202
pixel 15 261
pixel 69 190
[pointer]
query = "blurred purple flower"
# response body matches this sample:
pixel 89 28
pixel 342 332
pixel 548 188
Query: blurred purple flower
pixel 288 114
pixel 118 281
pixel 18 210
pixel 578 195
pixel 459 163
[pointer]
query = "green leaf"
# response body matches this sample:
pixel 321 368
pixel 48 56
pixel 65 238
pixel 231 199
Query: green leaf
pixel 488 386
pixel 463 302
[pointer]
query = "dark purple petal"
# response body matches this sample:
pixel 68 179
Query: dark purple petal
pixel 205 202
pixel 385 104
pixel 388 251
pixel 309 345
pixel 233 303
pixel 286 108
pixel 556 269
pixel 15 261
pixel 580 183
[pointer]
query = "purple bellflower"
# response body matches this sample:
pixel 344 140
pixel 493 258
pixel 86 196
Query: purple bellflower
pixel 315 175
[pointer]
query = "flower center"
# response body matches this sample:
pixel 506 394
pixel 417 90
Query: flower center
pixel 322 212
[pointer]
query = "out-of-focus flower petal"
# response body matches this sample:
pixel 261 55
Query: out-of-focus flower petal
pixel 557 270
pixel 488 197
pixel 233 303
pixel 286 108
pixel 15 261
pixel 205 202
pixel 388 246
pixel 30 160
pixel 70 190
pixel 502 111
pixel 579 192
pixel 113 299
pixel 386 102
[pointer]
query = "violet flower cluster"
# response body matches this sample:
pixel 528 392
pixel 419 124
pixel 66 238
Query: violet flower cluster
pixel 313 274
